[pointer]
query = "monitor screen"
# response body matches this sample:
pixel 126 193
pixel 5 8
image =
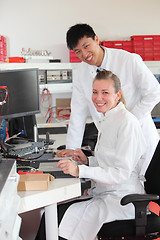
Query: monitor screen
pixel 19 93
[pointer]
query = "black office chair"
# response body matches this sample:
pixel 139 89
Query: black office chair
pixel 144 226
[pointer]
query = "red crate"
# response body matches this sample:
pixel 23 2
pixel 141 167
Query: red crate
pixel 1 38
pixel 73 57
pixel 16 60
pixel 156 53
pixel 125 45
pixel 117 43
pixel 157 58
pixel 1 44
pixel 1 58
pixel 155 38
pixel 107 43
pixel 148 58
pixel 146 45
pixel 3 49
pixel 5 58
pixel 4 40
pixel 147 41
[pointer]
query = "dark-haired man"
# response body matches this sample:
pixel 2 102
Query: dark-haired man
pixel 140 88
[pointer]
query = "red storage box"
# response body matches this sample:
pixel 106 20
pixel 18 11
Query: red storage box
pixel 16 60
pixel 3 49
pixel 125 45
pixel 73 57
pixel 107 44
pixel 147 42
pixel 146 46
pixel 147 39
pixel 1 44
pixel 1 58
pixel 157 58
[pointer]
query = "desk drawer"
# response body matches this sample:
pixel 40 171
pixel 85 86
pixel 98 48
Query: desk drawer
pixel 9 220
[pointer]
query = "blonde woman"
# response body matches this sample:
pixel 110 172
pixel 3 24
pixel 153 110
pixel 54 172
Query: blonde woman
pixel 114 169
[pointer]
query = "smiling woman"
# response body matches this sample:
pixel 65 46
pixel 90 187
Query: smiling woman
pixel 114 168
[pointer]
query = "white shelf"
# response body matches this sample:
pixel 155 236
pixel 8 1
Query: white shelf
pixel 41 66
pixel 38 59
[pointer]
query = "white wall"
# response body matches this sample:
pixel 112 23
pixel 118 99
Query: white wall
pixel 42 24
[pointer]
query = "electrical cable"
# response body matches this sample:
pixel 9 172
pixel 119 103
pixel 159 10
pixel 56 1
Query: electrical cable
pixel 49 113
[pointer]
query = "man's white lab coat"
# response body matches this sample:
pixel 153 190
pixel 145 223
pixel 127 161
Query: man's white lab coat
pixel 119 148
pixel 140 88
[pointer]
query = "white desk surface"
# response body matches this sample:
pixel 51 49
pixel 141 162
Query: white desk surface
pixel 59 190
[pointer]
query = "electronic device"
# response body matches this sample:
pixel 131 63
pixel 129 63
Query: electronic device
pixel 42 76
pixel 59 76
pixel 19 102
pixel 23 125
pixel 19 93
pixel 25 150
pixel 20 99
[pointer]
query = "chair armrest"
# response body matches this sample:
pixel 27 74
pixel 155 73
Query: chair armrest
pixel 130 198
pixel 140 202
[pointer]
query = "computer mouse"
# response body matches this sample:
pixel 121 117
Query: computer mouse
pixel 61 147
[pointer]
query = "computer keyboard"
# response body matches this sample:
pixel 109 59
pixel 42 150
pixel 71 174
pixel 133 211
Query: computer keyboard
pixel 27 151
pixel 59 174
pixel 20 153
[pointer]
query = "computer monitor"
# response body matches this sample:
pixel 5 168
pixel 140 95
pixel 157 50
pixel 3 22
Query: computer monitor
pixel 19 93
pixel 19 100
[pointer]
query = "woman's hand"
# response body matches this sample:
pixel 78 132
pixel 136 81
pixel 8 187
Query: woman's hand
pixel 68 167
pixel 80 157
pixel 65 153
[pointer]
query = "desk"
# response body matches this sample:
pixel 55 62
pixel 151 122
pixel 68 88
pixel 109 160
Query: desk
pixel 59 190
pixel 10 222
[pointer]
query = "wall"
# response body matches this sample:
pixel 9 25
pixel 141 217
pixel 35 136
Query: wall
pixel 42 24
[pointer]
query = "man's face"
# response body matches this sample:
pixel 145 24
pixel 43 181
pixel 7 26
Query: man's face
pixel 89 51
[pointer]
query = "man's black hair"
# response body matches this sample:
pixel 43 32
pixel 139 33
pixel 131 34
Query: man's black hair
pixel 78 31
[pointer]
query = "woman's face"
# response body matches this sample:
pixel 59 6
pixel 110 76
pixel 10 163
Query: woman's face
pixel 104 96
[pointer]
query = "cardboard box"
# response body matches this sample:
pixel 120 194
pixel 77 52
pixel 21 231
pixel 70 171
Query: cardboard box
pixel 63 102
pixel 63 108
pixel 34 182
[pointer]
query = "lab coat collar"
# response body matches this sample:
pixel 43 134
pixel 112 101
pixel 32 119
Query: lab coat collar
pixel 109 116
pixel 113 111
pixel 93 68
pixel 104 62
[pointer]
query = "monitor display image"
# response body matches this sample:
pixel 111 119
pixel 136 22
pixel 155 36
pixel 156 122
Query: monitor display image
pixel 19 93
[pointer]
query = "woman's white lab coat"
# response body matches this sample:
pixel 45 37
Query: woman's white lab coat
pixel 119 148
pixel 140 88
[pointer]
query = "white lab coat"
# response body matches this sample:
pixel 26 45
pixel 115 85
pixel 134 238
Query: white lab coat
pixel 120 146
pixel 140 88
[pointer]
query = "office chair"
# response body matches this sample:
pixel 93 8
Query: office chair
pixel 144 226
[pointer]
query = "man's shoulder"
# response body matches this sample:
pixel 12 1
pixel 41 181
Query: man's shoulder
pixel 120 53
pixel 83 69
pixel 82 66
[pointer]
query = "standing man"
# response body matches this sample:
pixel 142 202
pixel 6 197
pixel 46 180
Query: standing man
pixel 140 88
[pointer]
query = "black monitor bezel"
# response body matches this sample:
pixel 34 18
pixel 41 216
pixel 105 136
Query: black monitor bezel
pixel 23 114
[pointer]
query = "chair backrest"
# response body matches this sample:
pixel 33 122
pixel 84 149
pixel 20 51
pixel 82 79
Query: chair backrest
pixel 152 184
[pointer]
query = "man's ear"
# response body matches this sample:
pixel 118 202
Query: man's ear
pixel 96 38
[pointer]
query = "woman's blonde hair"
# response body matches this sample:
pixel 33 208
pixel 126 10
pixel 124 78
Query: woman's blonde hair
pixel 105 75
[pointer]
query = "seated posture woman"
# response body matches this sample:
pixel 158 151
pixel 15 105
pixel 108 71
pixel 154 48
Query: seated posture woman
pixel 114 168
